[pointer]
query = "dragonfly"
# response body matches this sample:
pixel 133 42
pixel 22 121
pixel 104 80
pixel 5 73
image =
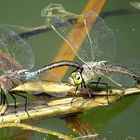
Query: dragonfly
pixel 16 62
pixel 97 51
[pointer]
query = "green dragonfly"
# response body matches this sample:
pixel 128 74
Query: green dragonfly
pixel 96 53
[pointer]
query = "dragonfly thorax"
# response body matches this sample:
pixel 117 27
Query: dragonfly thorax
pixel 11 79
pixel 92 70
pixel 95 64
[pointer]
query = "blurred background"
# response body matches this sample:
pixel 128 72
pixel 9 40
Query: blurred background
pixel 117 121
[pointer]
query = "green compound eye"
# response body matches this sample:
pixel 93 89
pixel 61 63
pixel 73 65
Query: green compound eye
pixel 77 79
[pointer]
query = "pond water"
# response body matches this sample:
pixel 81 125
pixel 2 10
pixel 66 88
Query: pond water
pixel 119 121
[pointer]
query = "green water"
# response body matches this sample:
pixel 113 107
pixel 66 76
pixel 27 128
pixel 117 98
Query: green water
pixel 115 122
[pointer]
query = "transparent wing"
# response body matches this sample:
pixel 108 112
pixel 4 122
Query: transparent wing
pixel 37 85
pixel 43 83
pixel 58 90
pixel 121 79
pixel 16 28
pixel 124 79
pixel 23 31
pixel 72 35
pixel 15 52
pixel 32 86
pixel 102 41
pixel 97 39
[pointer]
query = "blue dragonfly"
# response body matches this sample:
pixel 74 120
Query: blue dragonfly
pixel 16 61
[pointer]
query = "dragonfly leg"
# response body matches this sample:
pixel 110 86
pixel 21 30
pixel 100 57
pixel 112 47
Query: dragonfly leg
pixel 102 83
pixel 2 99
pixel 20 96
pixel 98 82
pixel 25 109
pixel 107 90
pixel 75 94
pixel 1 95
pixel 14 100
pixel 82 86
pixel 5 101
pixel 89 94
pixel 13 95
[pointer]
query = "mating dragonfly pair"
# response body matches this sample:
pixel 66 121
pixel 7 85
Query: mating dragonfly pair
pixel 95 54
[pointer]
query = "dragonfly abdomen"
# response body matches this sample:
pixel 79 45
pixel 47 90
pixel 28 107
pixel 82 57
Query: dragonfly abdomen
pixel 120 69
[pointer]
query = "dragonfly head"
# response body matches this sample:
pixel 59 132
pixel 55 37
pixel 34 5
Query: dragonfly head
pixel 75 78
